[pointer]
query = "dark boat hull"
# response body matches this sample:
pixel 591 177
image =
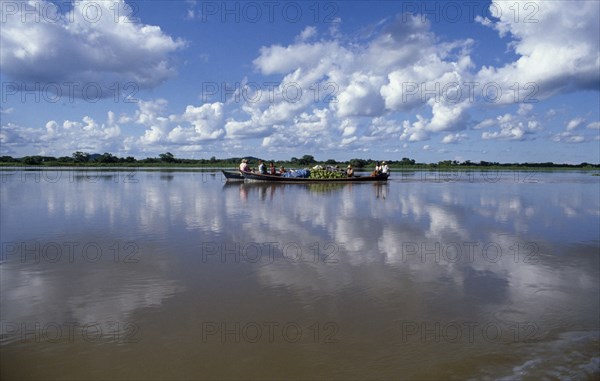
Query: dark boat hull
pixel 250 176
pixel 232 176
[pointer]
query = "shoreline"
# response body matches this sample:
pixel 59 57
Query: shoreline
pixel 207 168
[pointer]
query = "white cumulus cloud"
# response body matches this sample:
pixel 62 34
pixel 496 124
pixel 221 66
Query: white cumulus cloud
pixel 574 123
pixel 558 48
pixel 92 42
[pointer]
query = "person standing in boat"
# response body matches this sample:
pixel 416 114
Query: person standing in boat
pixel 350 171
pixel 377 170
pixel 244 166
pixel 384 167
pixel 262 169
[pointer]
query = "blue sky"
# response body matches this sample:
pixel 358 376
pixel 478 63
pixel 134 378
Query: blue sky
pixel 507 81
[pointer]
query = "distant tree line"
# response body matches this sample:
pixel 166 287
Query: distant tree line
pixel 168 159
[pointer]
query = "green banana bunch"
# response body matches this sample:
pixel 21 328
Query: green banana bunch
pixel 325 174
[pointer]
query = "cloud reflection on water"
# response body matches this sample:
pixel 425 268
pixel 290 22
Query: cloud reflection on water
pixel 403 250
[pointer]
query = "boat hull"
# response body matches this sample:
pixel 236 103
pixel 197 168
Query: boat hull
pixel 256 177
pixel 232 176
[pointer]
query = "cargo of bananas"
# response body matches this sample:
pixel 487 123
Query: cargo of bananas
pixel 324 174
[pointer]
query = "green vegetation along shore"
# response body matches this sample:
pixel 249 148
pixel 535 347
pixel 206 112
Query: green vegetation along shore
pixel 169 160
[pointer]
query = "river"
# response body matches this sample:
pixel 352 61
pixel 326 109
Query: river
pixel 176 274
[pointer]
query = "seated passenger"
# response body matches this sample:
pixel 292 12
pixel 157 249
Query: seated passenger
pixel 350 171
pixel 244 167
pixel 262 169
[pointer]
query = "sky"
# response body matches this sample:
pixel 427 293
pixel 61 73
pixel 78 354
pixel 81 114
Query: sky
pixel 505 81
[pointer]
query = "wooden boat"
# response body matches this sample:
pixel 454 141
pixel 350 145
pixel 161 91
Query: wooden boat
pixel 251 176
pixel 233 175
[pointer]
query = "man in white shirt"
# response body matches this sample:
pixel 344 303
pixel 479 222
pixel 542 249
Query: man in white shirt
pixel 384 167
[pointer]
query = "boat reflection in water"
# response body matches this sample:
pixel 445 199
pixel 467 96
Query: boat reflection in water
pixel 265 190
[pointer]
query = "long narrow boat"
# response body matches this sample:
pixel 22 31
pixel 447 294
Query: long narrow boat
pixel 232 175
pixel 251 176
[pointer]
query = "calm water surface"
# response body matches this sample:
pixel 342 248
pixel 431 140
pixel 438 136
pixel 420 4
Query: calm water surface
pixel 177 275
